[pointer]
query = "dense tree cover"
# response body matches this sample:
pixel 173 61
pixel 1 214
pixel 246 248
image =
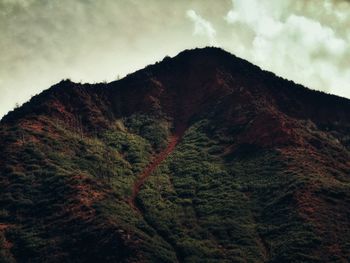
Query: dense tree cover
pixel 200 205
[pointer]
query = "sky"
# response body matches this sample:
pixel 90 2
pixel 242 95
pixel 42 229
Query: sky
pixel 45 41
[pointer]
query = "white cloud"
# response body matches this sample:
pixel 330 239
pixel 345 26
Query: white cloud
pixel 202 27
pixel 299 44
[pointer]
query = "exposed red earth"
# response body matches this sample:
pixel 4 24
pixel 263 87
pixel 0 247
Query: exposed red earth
pixel 156 161
pixel 173 140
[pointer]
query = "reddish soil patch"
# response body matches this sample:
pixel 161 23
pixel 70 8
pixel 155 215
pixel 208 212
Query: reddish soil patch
pixel 6 244
pixel 156 161
pixel 42 126
pixel 85 196
pixel 56 104
pixel 271 128
pixel 3 226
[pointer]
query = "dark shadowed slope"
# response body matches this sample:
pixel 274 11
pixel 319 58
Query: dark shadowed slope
pixel 260 171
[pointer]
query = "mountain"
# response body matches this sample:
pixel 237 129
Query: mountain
pixel 203 157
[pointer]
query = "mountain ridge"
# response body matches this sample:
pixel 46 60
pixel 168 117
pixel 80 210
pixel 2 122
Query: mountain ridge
pixel 186 55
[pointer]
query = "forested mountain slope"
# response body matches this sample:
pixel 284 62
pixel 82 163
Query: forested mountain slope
pixel 202 157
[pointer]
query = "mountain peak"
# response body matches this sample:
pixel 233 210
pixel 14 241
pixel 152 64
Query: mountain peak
pixel 196 79
pixel 205 51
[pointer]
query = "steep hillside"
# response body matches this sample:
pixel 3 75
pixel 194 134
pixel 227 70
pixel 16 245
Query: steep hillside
pixel 202 157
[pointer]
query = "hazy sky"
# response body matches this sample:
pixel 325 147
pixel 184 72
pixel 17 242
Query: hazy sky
pixel 44 41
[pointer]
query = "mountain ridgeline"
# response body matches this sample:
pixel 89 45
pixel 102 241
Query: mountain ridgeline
pixel 203 157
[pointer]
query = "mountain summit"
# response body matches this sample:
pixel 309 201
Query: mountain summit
pixel 203 157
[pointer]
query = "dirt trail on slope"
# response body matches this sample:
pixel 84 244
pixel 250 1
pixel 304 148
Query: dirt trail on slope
pixel 156 161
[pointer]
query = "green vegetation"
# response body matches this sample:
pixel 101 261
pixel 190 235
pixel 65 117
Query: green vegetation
pixel 202 204
pixel 89 173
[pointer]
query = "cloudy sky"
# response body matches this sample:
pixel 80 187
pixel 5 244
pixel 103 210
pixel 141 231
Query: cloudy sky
pixel 44 41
